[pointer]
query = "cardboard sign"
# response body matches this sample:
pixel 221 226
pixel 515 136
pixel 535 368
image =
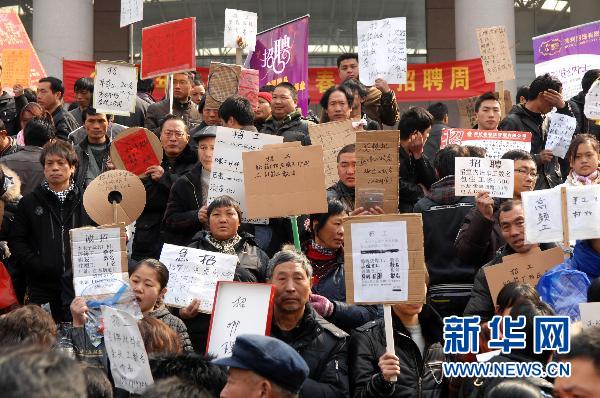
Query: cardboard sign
pixel 240 25
pixel 115 88
pixel 240 308
pixel 382 50
pixel 377 166
pixel 227 174
pixel 522 268
pixel 562 213
pixel 169 47
pixel 194 273
pixel 225 80
pixel 560 134
pixel 495 54
pixel 15 67
pixel 474 175
pixel 591 109
pixel 136 149
pixel 99 258
pixel 590 315
pixel 384 259
pixel 466 109
pixel 495 143
pixel 332 136
pixel 132 11
pixel 130 189
pixel 283 180
pixel 126 352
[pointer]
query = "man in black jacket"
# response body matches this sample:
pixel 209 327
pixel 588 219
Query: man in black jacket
pixel 50 96
pixel 178 159
pixel 451 278
pixel 545 93
pixel 39 238
pixel 416 172
pixel 439 111
pixel 320 343
pixel 511 220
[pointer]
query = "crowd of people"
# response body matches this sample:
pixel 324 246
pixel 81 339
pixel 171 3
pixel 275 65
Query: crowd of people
pixel 319 345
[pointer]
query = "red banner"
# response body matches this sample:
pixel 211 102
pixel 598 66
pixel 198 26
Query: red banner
pixel 14 36
pixel 426 82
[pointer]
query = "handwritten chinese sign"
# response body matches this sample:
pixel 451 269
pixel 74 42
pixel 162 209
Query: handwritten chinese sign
pixel 590 314
pixel 15 67
pixel 333 136
pixel 560 134
pixel 591 108
pixel 115 88
pixel 240 26
pixel 382 50
pixel 284 180
pixel 132 11
pixel 194 273
pixel 583 212
pixel 543 216
pixel 495 143
pixel 227 174
pixel 240 308
pixel 495 54
pixel 99 259
pixel 384 259
pixel 135 150
pixel 377 166
pixel 474 175
pixel 125 349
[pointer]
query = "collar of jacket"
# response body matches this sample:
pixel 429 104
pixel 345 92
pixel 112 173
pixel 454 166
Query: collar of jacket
pixel 431 323
pixel 181 105
pixel 186 156
pixel 86 143
pixel 246 238
pixel 296 114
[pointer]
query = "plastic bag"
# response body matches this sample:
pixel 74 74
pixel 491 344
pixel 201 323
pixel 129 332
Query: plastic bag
pixel 8 297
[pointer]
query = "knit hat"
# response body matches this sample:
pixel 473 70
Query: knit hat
pixel 266 96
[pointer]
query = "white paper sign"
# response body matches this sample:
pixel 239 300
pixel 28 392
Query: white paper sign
pixel 97 255
pixel 131 11
pixel 591 109
pixel 543 216
pixel 194 273
pixel 227 174
pixel 560 134
pixel 240 24
pixel 474 175
pixel 125 349
pixel 590 315
pixel 583 212
pixel 382 50
pixel 115 88
pixel 380 258
pixel 240 308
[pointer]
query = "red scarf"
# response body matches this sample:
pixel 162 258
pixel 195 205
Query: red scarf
pixel 322 260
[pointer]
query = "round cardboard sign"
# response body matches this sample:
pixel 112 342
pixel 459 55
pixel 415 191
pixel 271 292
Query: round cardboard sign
pixel 118 185
pixel 135 149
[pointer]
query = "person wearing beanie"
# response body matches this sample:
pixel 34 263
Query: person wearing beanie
pixel 263 111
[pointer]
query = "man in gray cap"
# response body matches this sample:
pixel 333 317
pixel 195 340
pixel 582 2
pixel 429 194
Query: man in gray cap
pixel 262 366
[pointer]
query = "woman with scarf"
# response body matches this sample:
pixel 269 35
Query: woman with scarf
pixel 583 155
pixel 325 250
pixel 223 236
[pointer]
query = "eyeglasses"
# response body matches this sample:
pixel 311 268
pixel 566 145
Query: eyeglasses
pixel 531 173
pixel 171 133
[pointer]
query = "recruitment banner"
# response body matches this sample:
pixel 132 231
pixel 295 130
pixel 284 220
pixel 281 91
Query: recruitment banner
pixel 282 55
pixel 13 36
pixel 568 54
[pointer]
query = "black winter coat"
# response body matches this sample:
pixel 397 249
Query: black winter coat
pixel 252 267
pixel 413 172
pixel 10 111
pixel 181 222
pixel 292 127
pixel 64 122
pixel 148 240
pixel 584 125
pixel 323 346
pixel 157 111
pixel 420 375
pixel 432 145
pixel 39 240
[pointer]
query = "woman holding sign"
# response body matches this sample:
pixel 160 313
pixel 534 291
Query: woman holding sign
pixel 325 251
pixel 224 215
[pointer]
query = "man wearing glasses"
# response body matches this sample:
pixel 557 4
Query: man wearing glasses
pixel 178 159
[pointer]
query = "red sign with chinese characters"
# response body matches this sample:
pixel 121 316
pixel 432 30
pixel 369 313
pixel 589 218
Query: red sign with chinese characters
pixel 169 47
pixel 136 152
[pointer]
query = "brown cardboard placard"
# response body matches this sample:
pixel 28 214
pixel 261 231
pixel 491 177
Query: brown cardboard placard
pixel 416 255
pixel 495 54
pixel 524 268
pixel 136 156
pixel 333 136
pixel 293 144
pixel 377 166
pixel 133 197
pixel 99 258
pixel 284 181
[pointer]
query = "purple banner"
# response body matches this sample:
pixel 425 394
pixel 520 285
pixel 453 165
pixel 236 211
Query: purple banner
pixel 281 54
pixel 582 39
